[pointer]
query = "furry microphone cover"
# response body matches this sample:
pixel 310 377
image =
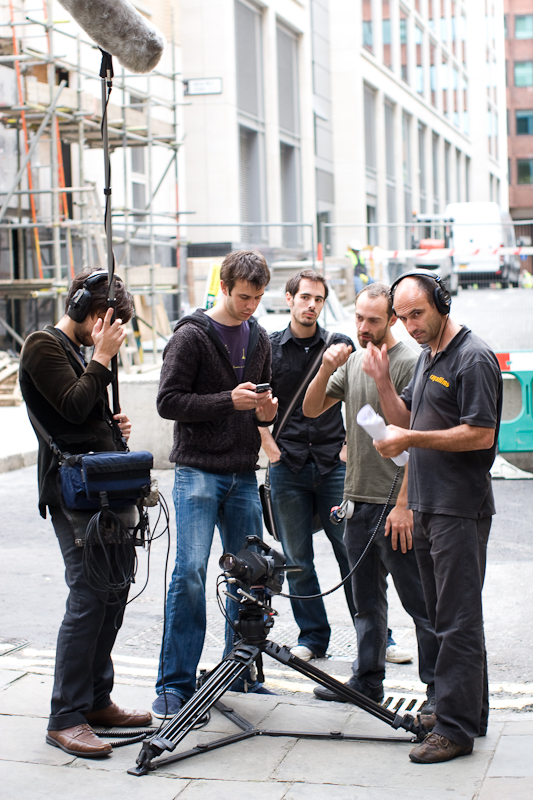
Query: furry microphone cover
pixel 117 27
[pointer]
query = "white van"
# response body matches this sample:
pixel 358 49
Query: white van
pixel 485 227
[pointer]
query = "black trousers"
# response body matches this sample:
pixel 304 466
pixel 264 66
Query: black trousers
pixel 83 677
pixel 452 554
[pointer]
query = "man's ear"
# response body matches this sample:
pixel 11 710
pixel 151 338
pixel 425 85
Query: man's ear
pixel 393 320
pixel 289 298
pixel 224 288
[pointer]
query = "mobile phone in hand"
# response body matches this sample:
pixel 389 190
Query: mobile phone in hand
pixel 262 387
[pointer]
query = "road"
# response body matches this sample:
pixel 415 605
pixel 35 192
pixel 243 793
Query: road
pixel 33 593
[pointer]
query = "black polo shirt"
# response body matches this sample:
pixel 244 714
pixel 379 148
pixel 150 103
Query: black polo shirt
pixel 461 385
pixel 322 438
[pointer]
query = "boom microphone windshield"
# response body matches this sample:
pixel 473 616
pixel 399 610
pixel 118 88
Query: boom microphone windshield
pixel 117 27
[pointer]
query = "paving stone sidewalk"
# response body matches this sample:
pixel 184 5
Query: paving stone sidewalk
pixel 501 767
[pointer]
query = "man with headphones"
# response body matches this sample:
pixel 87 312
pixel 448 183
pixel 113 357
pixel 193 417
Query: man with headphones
pixel 69 399
pixel 448 418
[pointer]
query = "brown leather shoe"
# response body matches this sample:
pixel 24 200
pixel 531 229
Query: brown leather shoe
pixel 115 717
pixel 436 748
pixel 79 741
pixel 428 721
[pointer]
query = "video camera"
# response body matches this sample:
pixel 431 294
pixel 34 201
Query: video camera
pixel 251 570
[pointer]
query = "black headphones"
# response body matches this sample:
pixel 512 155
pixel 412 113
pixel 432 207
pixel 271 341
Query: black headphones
pixel 441 296
pixel 79 305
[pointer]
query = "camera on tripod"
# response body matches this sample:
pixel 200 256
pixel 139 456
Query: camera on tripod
pixel 251 570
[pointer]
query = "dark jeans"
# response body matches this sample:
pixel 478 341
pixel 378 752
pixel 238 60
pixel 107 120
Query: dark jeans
pixel 83 677
pixel 292 499
pixel 370 594
pixel 451 554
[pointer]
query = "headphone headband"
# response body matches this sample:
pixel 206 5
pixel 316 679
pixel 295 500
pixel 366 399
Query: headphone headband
pixel 79 303
pixel 441 295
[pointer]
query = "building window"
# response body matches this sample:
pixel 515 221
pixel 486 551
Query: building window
pixel 386 33
pixel 447 150
pixel 249 60
pixel 287 47
pixel 370 131
pixel 435 164
pixel 419 38
pixel 390 171
pixel 524 168
pixel 422 167
pixel 251 182
pixel 467 179
pixel 524 123
pixel 367 25
pixel 290 199
pixel 407 193
pixel 523 73
pixel 138 191
pixel 404 45
pixel 433 73
pixel 248 55
pixel 458 175
pixel 523 27
pixel 444 85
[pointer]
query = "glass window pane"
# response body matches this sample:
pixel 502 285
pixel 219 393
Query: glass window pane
pixel 524 122
pixel 523 73
pixel 525 170
pixel 523 27
pixel 404 45
pixel 367 25
pixel 386 33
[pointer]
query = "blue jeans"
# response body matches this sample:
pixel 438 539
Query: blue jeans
pixel 202 500
pixel 370 593
pixel 292 499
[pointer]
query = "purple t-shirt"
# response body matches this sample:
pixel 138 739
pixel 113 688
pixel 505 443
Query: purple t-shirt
pixel 235 339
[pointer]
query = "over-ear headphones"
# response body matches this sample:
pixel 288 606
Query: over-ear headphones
pixel 441 296
pixel 79 304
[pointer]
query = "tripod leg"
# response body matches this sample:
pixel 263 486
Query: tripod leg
pixel 219 681
pixel 284 656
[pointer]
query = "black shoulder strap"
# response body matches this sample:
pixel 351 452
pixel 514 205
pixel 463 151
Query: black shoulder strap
pixel 44 433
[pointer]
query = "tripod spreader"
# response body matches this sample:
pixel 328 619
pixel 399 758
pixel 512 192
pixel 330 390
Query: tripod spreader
pixel 220 680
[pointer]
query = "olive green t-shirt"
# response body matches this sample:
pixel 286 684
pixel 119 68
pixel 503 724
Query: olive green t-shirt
pixel 368 475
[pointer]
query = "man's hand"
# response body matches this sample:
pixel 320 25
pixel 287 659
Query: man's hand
pixel 376 362
pixel 245 397
pixel 399 525
pixel 107 338
pixel 267 411
pixel 396 442
pixel 335 356
pixel 124 424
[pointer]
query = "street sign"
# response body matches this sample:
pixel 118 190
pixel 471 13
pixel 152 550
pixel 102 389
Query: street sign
pixel 196 86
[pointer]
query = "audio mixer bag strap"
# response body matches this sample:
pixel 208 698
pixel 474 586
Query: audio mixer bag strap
pixel 264 489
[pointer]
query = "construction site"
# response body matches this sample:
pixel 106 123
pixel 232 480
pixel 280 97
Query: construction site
pixel 51 167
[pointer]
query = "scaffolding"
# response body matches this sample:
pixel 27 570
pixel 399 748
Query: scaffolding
pixel 51 217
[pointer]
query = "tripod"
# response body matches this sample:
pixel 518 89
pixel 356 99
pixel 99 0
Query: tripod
pixel 256 618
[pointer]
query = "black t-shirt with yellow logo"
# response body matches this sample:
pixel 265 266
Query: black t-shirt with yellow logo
pixel 461 385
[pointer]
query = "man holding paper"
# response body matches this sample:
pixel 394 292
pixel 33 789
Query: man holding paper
pixel 448 417
pixel 368 483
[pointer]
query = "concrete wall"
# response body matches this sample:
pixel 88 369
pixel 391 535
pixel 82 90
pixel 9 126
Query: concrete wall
pixel 149 432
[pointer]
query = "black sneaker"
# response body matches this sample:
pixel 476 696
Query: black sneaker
pixel 374 693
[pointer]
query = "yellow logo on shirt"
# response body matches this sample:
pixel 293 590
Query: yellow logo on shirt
pixel 439 380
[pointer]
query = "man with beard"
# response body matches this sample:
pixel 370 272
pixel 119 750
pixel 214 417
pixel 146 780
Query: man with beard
pixel 448 417
pixel 306 473
pixel 368 484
